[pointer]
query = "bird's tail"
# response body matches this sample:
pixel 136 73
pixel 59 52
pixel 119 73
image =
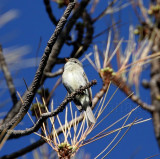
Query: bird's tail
pixel 90 116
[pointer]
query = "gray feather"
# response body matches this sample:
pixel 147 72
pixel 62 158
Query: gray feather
pixel 90 116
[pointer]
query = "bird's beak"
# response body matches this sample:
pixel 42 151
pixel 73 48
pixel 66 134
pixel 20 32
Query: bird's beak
pixel 66 59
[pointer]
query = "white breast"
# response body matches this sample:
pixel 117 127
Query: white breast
pixel 73 77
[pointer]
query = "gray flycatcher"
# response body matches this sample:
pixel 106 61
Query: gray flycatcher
pixel 73 78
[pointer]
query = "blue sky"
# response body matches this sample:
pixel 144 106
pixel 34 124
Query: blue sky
pixel 31 24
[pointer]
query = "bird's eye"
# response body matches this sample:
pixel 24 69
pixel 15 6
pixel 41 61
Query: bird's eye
pixel 75 61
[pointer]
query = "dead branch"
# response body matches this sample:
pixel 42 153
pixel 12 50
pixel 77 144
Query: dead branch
pixel 44 116
pixel 8 77
pixel 9 122
pixel 49 12
pixel 63 36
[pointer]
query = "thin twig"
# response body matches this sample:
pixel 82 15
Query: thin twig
pixel 87 40
pixel 54 74
pixel 104 11
pixel 8 77
pixel 49 12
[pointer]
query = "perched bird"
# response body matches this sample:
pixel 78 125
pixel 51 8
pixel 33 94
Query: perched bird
pixel 73 78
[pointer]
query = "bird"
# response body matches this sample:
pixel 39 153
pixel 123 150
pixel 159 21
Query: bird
pixel 74 78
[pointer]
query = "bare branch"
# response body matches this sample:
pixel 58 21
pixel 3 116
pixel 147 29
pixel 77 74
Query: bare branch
pixel 87 40
pixel 118 81
pixel 36 82
pixel 44 116
pixel 54 74
pixel 155 96
pixel 104 11
pixel 63 36
pixel 8 77
pixel 123 86
pixel 49 11
pixel 40 142
pixel 24 150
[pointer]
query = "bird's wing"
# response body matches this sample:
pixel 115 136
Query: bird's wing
pixel 89 90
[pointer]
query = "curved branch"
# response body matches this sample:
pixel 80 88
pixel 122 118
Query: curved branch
pixel 49 11
pixel 24 150
pixel 88 38
pixel 119 82
pixel 44 116
pixel 79 47
pixel 123 86
pixel 36 82
pixel 54 74
pixel 61 40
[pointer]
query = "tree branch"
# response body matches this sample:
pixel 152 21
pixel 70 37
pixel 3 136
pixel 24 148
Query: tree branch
pixel 123 86
pixel 44 116
pixel 88 37
pixel 8 77
pixel 24 150
pixel 36 82
pixel 63 36
pixel 81 44
pixel 54 74
pixel 49 12
pixel 118 81
pixel 40 142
